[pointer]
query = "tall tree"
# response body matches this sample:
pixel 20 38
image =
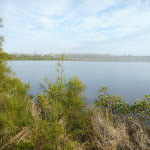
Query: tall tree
pixel 4 70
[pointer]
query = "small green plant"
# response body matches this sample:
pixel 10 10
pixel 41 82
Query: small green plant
pixel 111 104
pixel 60 68
pixel 141 109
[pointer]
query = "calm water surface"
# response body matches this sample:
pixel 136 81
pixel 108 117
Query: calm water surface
pixel 130 80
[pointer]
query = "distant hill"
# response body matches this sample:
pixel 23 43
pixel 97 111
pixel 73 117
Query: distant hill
pixel 82 57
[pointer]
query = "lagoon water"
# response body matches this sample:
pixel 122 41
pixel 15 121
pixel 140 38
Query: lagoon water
pixel 131 80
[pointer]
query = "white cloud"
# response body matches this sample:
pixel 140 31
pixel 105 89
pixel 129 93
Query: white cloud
pixel 69 23
pixel 48 23
pixel 118 23
pixel 92 7
pixel 50 7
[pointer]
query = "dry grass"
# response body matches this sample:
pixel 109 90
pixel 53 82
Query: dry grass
pixel 17 138
pixel 138 135
pixel 121 135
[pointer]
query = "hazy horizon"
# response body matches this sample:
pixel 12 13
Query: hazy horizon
pixel 112 27
pixel 78 53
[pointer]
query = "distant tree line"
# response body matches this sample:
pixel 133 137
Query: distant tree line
pixel 82 57
pixel 33 57
pixel 109 58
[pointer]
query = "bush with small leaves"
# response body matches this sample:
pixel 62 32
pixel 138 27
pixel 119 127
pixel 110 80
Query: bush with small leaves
pixel 111 104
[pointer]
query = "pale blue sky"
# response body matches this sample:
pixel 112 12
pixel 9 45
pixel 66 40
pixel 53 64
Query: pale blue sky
pixel 76 26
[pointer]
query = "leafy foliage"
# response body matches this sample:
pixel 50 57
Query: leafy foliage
pixel 112 104
pixel 116 107
pixel 63 101
pixel 141 109
pixel 15 105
